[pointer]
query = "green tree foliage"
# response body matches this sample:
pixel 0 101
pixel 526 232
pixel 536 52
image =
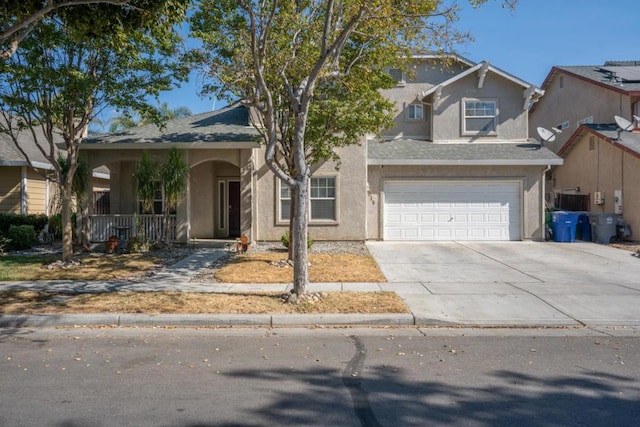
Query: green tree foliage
pixel 19 17
pixel 126 120
pixel 146 176
pixel 79 61
pixel 174 172
pixel 313 70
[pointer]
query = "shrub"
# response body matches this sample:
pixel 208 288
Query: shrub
pixel 8 219
pixel 22 236
pixel 285 240
pixel 139 244
pixel 4 243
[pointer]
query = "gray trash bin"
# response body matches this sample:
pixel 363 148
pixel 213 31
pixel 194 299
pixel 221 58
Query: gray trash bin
pixel 603 227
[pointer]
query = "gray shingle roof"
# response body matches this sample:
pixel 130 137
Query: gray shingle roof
pixel 413 152
pixel 230 124
pixel 598 74
pixel 628 140
pixel 11 156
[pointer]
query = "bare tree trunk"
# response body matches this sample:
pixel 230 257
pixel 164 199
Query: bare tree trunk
pixel 298 237
pixel 292 214
pixel 84 228
pixel 166 235
pixel 67 231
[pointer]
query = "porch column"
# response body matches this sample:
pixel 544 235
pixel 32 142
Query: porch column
pixel 183 210
pixel 246 193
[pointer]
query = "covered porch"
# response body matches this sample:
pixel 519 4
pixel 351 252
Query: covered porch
pixel 218 148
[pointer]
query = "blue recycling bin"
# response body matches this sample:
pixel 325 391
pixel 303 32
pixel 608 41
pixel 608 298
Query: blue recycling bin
pixel 583 229
pixel 563 226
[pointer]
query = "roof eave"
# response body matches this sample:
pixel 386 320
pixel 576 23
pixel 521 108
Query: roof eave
pixel 471 162
pixel 141 145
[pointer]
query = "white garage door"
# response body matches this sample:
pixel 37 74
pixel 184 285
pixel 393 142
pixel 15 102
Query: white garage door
pixel 452 210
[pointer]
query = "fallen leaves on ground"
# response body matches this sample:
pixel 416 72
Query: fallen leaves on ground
pixel 31 302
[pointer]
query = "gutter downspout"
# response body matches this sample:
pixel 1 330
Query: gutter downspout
pixel 543 202
pixel 23 192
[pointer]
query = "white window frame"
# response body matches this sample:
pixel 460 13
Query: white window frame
pixel 403 78
pixel 412 112
pixel 464 118
pixel 312 221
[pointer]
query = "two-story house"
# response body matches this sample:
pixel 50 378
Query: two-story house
pixel 457 165
pixel 601 160
pixel 585 94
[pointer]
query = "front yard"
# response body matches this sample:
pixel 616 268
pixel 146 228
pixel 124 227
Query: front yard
pixel 333 263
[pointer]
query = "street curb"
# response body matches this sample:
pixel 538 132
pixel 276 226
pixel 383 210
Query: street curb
pixel 342 319
pixel 264 320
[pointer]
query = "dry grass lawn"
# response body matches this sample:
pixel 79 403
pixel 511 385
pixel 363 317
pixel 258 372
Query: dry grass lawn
pixel 256 268
pixel 93 267
pixel 30 302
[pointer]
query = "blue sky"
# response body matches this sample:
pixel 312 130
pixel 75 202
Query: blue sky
pixel 526 42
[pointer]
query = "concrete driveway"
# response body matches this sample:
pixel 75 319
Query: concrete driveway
pixel 513 283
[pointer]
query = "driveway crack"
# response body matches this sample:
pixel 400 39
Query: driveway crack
pixel 352 379
pixel 548 303
pixel 500 262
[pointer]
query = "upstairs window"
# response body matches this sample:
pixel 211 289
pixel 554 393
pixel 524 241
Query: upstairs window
pixel 480 117
pixel 397 75
pixel 415 112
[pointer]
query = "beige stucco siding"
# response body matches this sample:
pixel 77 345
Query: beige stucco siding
pixel 606 168
pixel 350 199
pixel 449 114
pixel 10 189
pixel 528 176
pixel 575 100
pixel 424 76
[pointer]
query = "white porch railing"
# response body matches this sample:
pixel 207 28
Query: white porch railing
pixel 104 226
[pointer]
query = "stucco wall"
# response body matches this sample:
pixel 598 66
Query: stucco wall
pixel 10 189
pixel 606 168
pixel 202 200
pixel 528 176
pixel 425 75
pixel 511 120
pixel 575 101
pixel 350 199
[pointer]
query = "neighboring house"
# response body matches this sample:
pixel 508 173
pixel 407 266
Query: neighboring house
pixel 25 189
pixel 602 165
pixel 22 189
pixel 458 165
pixel 576 95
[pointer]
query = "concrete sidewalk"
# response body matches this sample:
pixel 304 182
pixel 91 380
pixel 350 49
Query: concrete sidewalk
pixel 489 291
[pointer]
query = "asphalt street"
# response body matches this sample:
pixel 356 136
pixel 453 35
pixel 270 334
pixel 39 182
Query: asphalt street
pixel 318 377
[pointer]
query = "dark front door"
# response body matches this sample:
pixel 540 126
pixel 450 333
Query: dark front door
pixel 234 209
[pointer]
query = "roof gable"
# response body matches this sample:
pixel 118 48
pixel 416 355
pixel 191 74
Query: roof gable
pixel 619 76
pixel 608 132
pixel 530 92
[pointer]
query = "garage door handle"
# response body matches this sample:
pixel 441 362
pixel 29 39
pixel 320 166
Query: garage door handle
pixel 451 219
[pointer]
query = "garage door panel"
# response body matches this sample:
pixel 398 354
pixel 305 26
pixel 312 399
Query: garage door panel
pixel 447 210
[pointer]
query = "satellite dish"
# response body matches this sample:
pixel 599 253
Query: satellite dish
pixel 546 135
pixel 623 123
